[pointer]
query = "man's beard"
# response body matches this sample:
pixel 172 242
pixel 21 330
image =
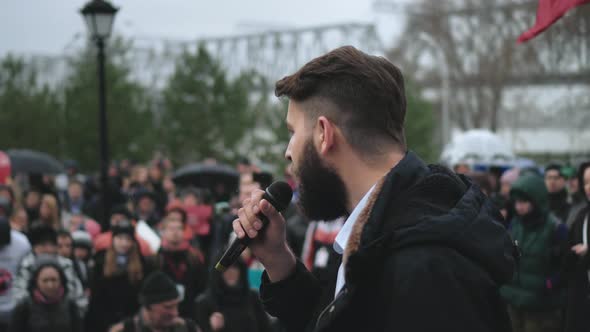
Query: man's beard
pixel 322 193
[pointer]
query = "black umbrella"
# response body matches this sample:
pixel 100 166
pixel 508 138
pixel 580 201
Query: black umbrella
pixel 33 162
pixel 207 176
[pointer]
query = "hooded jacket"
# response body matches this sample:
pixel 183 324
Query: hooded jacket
pixel 426 254
pixel 541 238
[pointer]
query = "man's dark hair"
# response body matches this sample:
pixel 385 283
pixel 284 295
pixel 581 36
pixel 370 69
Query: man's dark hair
pixel 362 94
pixel 64 233
pixel 555 167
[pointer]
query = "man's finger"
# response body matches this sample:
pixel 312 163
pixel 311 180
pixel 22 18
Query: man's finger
pixel 269 211
pixel 246 223
pixel 238 228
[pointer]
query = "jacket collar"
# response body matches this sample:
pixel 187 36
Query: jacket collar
pixel 369 224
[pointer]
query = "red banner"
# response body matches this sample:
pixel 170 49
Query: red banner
pixel 549 12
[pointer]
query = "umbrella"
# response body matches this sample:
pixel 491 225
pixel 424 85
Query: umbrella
pixel 33 162
pixel 207 176
pixel 478 147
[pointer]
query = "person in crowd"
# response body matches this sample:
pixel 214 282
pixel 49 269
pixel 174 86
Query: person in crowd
pixel 79 222
pixel 319 255
pixel 577 197
pixel 181 262
pixel 7 192
pixel 65 244
pixel 244 166
pixel 482 179
pixel 413 231
pixel 48 212
pixel 5 208
pixel 47 307
pixel 156 179
pixel 65 248
pixel 534 296
pixel 145 205
pixel 120 214
pixel 19 220
pixel 13 247
pixel 199 214
pixel 74 202
pixel 502 198
pixel 73 171
pixel 139 180
pixel 230 305
pixel 221 229
pixel 43 239
pixel 462 167
pixel 577 264
pixel 159 299
pixel 83 258
pixel 169 188
pixel 558 196
pixel 32 203
pixel 118 274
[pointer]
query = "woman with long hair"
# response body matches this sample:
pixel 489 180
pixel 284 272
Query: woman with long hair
pixel 117 280
pixel 578 261
pixel 47 308
pixel 49 212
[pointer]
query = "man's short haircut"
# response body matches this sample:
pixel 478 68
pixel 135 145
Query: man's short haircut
pixel 64 233
pixel 555 167
pixel 362 94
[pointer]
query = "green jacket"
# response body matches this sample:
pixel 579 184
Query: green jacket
pixel 540 239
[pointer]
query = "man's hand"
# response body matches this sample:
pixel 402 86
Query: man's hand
pixel 270 247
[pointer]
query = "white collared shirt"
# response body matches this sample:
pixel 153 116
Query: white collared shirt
pixel 344 234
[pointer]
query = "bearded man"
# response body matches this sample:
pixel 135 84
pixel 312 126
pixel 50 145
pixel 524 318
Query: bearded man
pixel 423 249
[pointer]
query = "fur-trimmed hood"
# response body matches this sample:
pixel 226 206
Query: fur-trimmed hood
pixel 416 205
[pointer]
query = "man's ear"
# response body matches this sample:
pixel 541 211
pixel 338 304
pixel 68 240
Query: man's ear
pixel 325 131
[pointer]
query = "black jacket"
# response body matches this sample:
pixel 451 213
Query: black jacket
pixel 112 299
pixel 30 316
pixel 187 270
pixel 559 205
pixel 239 305
pixel 578 300
pixel 426 254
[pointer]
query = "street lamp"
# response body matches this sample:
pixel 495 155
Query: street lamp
pixel 99 16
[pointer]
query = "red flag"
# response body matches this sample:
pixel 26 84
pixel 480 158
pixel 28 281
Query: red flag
pixel 549 12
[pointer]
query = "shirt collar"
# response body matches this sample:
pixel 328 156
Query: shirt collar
pixel 344 234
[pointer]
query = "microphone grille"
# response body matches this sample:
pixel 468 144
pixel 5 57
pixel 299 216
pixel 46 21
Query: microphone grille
pixel 280 192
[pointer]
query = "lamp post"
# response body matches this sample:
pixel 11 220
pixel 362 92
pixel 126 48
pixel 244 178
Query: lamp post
pixel 99 16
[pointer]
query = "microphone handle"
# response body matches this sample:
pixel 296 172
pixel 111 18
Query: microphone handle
pixel 232 254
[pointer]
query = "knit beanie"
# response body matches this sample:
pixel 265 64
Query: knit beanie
pixel 82 239
pixel 123 228
pixel 158 288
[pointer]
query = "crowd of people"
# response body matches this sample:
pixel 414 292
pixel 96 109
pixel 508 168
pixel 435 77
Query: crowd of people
pixel 546 214
pixel 148 266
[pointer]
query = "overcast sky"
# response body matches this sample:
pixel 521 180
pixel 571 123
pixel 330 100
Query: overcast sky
pixel 50 26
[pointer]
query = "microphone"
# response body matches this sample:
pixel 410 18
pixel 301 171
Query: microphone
pixel 278 194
